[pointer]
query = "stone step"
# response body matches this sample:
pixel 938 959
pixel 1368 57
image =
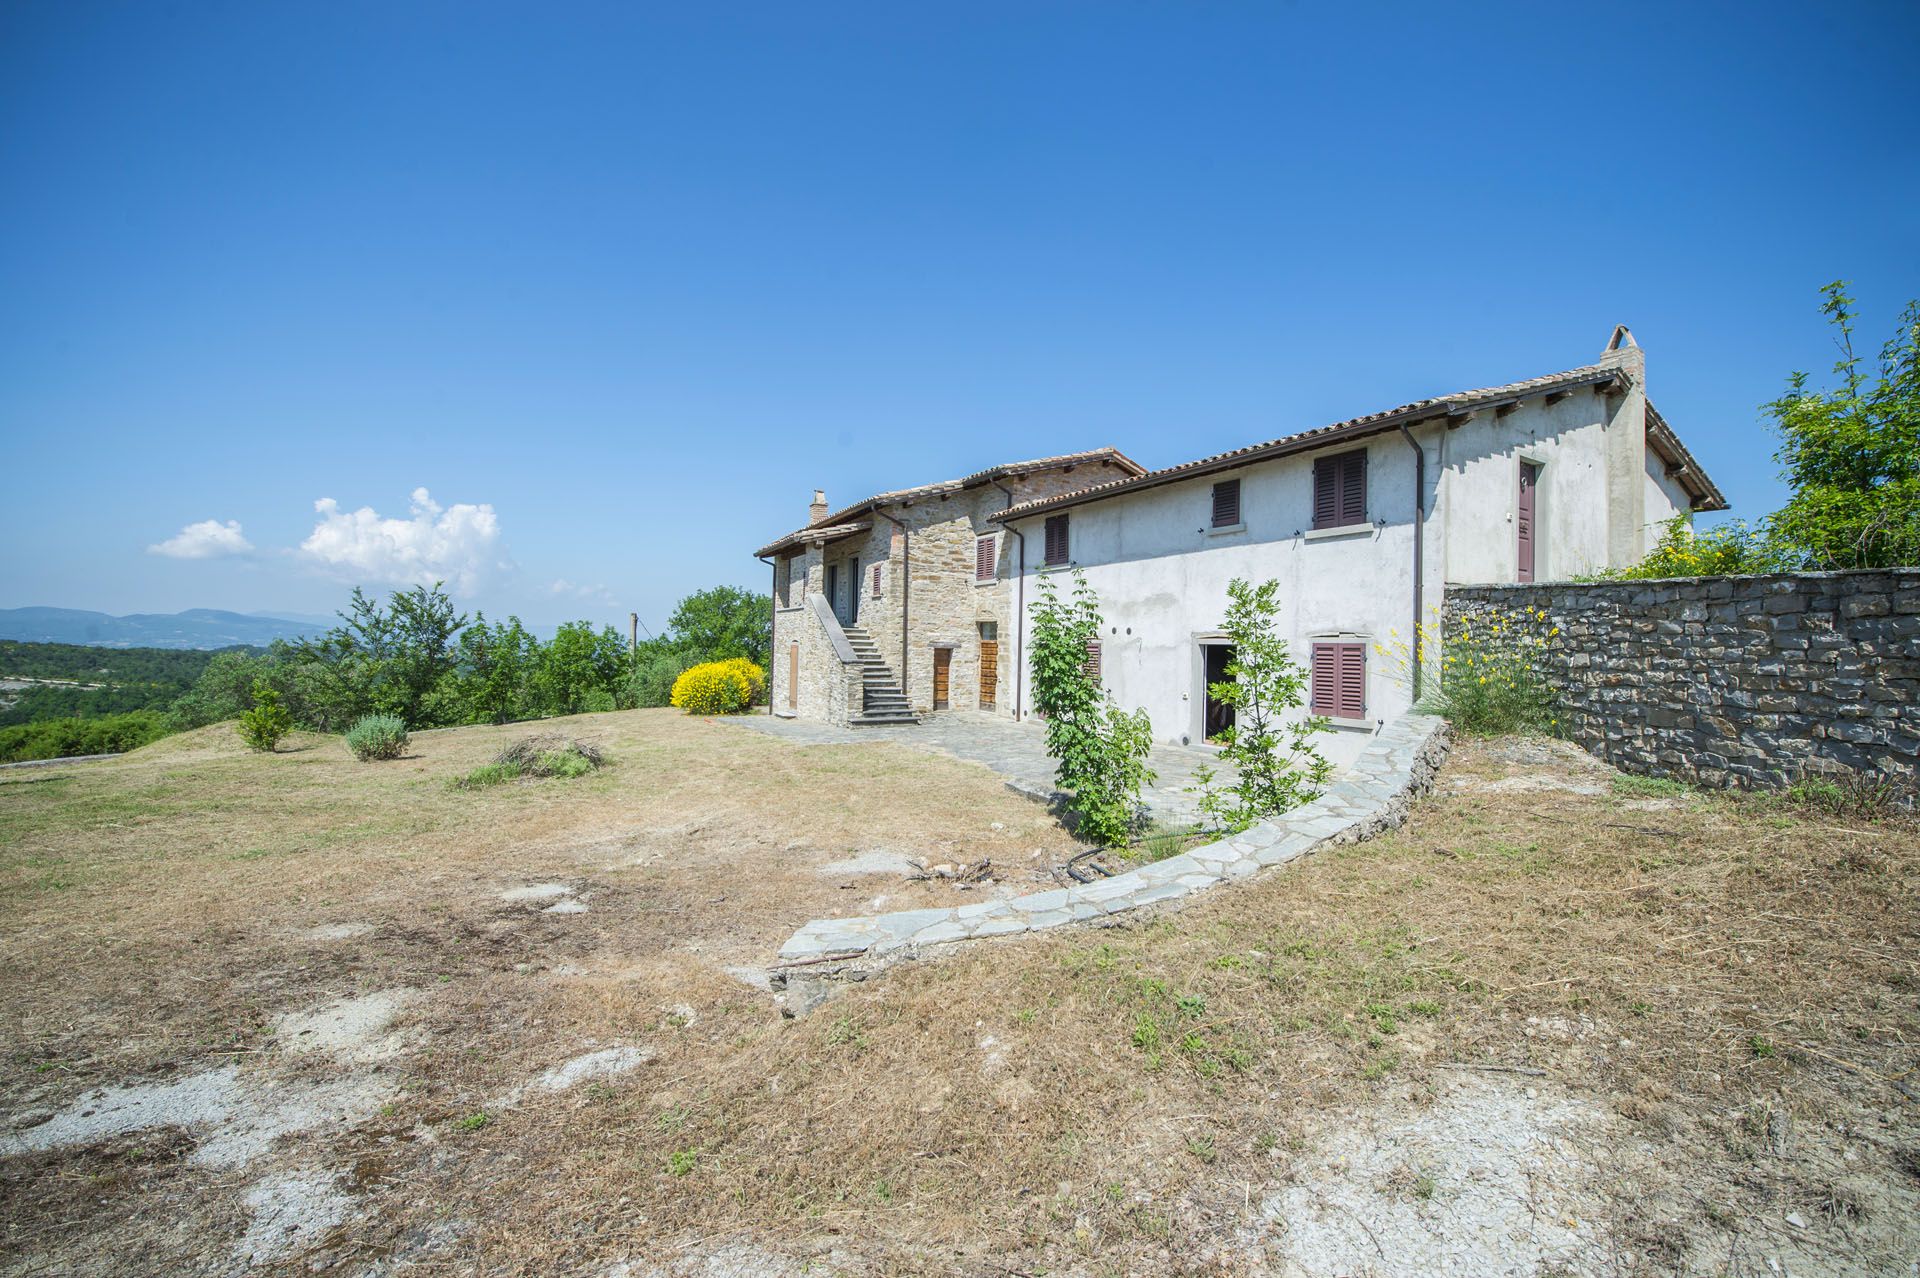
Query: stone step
pixel 871 720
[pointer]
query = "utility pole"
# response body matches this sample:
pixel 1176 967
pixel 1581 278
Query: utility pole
pixel 633 634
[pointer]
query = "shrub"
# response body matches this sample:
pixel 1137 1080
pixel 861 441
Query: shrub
pixel 1277 766
pixel 66 738
pixel 1486 676
pixel 264 726
pixel 377 736
pixel 720 687
pixel 1102 749
pixel 1687 552
pixel 541 755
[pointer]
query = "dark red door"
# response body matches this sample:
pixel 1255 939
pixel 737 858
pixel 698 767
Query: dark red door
pixel 1523 519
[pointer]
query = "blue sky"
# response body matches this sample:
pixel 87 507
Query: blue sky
pixel 635 279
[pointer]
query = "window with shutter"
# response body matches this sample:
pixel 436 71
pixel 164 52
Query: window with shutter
pixel 1056 540
pixel 876 581
pixel 1340 490
pixel 984 559
pixel 1226 503
pixel 1093 660
pixel 1339 680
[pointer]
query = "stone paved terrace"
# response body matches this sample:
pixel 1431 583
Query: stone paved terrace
pixel 1017 751
pixel 1372 796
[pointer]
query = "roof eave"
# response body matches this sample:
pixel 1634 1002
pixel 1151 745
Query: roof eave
pixel 1455 406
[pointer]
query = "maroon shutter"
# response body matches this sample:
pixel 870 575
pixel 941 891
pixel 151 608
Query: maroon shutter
pixel 1338 680
pixel 1353 680
pixel 876 581
pixel 1340 490
pixel 1324 694
pixel 1353 489
pixel 1226 503
pixel 983 559
pixel 1093 660
pixel 1326 502
pixel 1056 540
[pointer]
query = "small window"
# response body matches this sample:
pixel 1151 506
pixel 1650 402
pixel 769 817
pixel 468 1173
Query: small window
pixel 1226 503
pixel 1340 490
pixel 1339 680
pixel 985 561
pixel 1093 660
pixel 1056 540
pixel 876 582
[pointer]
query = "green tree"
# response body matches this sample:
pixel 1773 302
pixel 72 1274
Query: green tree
pixel 267 723
pixel 724 622
pixel 494 673
pixel 1268 743
pixel 388 660
pixel 580 668
pixel 1852 454
pixel 224 689
pixel 1102 750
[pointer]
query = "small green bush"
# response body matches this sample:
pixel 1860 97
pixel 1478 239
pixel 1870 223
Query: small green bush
pixel 268 723
pixel 377 736
pixel 720 687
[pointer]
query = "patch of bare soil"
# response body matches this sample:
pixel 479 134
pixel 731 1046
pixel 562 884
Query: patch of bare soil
pixel 296 1014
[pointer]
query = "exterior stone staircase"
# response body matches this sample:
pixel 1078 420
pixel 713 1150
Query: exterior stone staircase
pixel 884 702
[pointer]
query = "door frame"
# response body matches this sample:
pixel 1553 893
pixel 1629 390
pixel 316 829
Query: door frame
pixel 942 659
pixel 1197 729
pixel 1538 570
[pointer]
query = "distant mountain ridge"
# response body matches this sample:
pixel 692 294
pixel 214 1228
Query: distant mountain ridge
pixel 194 628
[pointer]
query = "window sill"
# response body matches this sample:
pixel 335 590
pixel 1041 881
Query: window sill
pixel 1351 725
pixel 1227 529
pixel 1344 530
pixel 989 581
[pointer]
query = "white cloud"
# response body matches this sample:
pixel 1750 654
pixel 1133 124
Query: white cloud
pixel 459 545
pixel 208 539
pixel 597 593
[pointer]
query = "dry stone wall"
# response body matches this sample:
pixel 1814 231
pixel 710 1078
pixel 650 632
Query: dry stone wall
pixel 1752 681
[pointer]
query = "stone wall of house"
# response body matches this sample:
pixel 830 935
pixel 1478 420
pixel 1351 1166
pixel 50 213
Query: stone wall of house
pixel 946 605
pixel 1733 681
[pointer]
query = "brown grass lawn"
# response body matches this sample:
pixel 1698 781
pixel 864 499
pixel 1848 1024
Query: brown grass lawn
pixel 1732 985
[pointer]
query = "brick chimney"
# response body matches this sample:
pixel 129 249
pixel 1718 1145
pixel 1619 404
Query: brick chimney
pixel 817 511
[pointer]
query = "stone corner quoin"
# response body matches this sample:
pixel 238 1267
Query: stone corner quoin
pixel 1373 795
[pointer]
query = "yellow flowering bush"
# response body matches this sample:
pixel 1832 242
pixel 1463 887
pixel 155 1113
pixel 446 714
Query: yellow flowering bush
pixel 1685 551
pixel 720 687
pixel 1487 676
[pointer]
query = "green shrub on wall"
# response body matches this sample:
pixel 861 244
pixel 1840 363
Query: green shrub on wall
pixel 720 687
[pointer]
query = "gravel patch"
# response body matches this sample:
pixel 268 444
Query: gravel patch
pixel 355 1030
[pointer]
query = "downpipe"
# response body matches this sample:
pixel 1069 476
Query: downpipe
pixel 1419 556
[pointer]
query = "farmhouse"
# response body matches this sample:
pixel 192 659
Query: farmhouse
pixel 1364 522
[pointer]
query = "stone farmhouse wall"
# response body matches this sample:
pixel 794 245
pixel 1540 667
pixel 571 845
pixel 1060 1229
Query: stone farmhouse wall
pixel 947 605
pixel 1749 681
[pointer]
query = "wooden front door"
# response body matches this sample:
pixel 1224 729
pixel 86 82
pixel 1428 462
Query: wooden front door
pixel 989 664
pixel 942 665
pixel 793 676
pixel 1523 523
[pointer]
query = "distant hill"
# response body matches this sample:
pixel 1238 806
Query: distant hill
pixel 194 628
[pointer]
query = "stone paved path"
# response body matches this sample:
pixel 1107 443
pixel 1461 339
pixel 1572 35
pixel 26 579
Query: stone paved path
pixel 1373 796
pixel 1017 751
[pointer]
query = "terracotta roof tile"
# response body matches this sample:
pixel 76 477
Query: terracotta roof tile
pixel 839 518
pixel 1420 409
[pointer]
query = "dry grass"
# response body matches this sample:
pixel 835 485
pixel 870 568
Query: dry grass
pixel 1086 1101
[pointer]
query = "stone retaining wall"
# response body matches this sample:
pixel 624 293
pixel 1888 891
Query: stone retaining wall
pixel 1750 681
pixel 1372 796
